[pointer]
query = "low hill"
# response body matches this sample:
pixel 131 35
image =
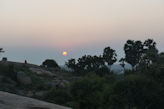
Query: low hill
pixel 30 81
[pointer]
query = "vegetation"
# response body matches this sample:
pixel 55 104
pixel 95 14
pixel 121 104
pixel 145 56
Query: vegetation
pixel 88 63
pixel 1 50
pixel 97 87
pixel 139 88
pixel 50 63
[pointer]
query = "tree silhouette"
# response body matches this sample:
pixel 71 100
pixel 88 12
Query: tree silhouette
pixel 50 63
pixel 133 52
pixel 161 59
pixel 97 62
pixel 90 63
pixel 109 56
pixel 94 63
pixel 71 64
pixel 150 50
pixel 150 54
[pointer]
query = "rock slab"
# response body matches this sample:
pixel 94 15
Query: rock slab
pixel 12 101
pixel 23 78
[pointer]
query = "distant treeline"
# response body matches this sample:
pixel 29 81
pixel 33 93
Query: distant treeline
pixel 137 54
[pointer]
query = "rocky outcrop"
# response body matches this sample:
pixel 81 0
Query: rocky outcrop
pixel 43 72
pixel 22 78
pixel 12 101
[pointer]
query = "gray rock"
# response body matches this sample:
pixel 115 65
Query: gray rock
pixel 12 101
pixel 30 94
pixel 40 93
pixel 48 85
pixel 10 81
pixel 23 78
pixel 43 72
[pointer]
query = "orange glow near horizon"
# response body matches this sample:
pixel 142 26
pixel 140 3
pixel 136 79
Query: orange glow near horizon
pixel 64 53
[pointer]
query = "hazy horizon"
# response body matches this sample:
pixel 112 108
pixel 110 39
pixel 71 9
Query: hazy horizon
pixel 39 29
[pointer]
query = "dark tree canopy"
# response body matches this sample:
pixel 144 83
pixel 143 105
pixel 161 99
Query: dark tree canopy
pixel 94 63
pixel 50 63
pixel 136 92
pixel 71 64
pixel 150 54
pixel 161 59
pixel 90 63
pixel 133 52
pixel 150 50
pixel 109 56
pixel 150 44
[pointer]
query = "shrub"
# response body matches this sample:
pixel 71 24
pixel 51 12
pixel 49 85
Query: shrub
pixel 50 63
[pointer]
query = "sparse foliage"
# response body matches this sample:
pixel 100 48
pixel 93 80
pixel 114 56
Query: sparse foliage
pixel 122 63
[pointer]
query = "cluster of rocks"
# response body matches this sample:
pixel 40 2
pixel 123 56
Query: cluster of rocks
pixel 23 79
pixel 42 72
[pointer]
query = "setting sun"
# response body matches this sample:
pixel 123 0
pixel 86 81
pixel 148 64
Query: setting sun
pixel 64 53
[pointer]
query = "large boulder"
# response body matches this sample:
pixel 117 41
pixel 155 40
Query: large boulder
pixel 10 81
pixel 23 78
pixel 12 101
pixel 40 94
pixel 7 80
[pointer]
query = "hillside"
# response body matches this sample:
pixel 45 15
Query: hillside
pixel 30 80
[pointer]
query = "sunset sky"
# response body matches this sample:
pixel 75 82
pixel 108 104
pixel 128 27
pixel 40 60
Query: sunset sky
pixel 39 29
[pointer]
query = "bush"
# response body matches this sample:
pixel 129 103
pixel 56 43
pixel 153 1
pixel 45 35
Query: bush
pixel 50 63
pixel 8 71
pixel 58 96
pixel 136 92
pixel 87 93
